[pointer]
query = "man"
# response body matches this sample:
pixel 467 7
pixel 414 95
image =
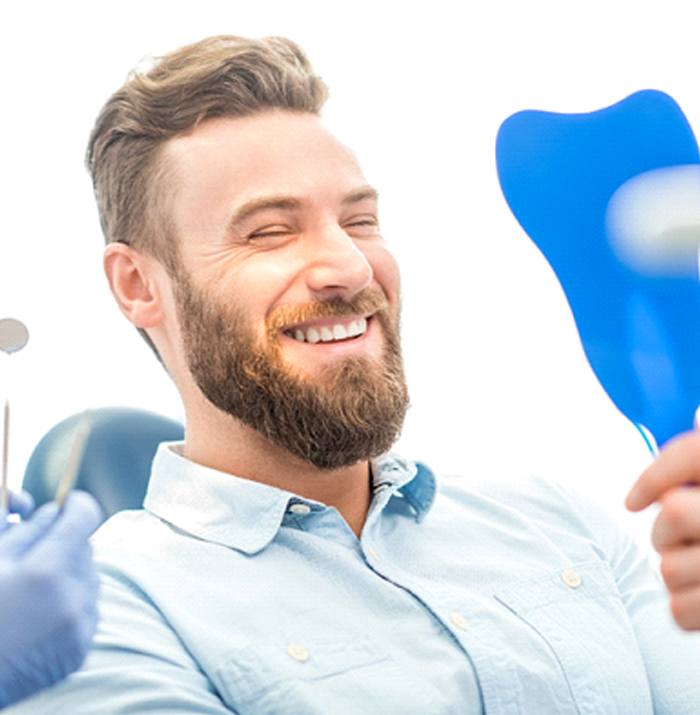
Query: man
pixel 285 561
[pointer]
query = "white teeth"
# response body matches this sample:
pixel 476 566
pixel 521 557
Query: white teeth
pixel 339 332
pixel 329 334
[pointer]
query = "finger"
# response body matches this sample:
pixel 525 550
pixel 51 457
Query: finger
pixel 21 537
pixel 680 567
pixel 678 463
pixel 685 607
pixel 79 517
pixel 21 503
pixel 678 522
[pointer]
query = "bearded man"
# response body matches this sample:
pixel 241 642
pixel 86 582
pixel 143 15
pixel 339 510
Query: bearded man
pixel 285 560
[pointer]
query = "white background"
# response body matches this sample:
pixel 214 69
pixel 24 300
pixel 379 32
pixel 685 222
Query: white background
pixel 500 386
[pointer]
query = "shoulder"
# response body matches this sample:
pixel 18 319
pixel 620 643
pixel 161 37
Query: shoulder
pixel 552 507
pixel 125 526
pixel 136 551
pixel 537 497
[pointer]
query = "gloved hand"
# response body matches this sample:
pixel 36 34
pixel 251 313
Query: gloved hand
pixel 21 503
pixel 48 594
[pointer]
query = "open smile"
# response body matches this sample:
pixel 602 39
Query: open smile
pixel 330 330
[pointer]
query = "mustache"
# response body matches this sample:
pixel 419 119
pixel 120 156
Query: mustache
pixel 368 301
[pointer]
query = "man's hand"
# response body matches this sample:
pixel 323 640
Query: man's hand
pixel 48 593
pixel 672 481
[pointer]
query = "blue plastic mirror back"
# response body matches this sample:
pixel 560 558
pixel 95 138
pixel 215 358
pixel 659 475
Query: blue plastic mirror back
pixel 640 333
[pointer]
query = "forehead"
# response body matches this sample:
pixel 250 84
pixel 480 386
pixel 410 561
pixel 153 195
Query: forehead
pixel 235 159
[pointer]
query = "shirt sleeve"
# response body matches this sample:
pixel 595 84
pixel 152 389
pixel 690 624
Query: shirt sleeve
pixel 137 665
pixel 671 655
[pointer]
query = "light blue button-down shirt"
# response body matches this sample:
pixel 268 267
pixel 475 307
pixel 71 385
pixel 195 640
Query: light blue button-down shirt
pixel 226 595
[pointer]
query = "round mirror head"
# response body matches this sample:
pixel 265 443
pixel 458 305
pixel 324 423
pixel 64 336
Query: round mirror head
pixel 13 335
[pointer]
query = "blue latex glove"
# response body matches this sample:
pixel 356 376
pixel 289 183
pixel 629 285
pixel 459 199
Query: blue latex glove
pixel 21 503
pixel 48 594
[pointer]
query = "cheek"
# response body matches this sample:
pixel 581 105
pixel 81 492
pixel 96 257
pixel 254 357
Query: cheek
pixel 386 271
pixel 260 284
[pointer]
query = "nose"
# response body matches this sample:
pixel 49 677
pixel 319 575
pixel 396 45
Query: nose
pixel 337 266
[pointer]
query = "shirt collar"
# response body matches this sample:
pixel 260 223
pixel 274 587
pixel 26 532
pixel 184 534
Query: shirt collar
pixel 414 480
pixel 246 515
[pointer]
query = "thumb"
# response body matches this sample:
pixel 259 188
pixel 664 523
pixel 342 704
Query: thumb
pixel 21 503
pixel 80 516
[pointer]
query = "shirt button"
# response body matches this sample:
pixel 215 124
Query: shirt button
pixel 457 619
pixel 298 652
pixel 571 578
pixel 373 553
pixel 301 509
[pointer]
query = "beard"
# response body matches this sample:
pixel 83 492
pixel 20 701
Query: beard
pixel 351 410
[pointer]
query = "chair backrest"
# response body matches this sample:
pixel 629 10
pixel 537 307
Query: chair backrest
pixel 117 460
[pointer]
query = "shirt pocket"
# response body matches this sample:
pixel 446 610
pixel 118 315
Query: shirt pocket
pixel 579 614
pixel 340 675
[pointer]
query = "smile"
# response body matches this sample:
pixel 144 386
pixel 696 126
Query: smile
pixel 328 331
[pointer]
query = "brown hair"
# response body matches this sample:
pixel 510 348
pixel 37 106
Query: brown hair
pixel 218 76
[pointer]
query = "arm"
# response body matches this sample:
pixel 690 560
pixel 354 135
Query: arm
pixel 137 665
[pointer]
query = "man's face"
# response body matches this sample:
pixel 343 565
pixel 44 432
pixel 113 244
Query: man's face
pixel 287 299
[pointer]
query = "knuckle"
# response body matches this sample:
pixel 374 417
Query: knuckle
pixel 688 442
pixel 66 608
pixel 41 578
pixel 685 609
pixel 693 442
pixel 675 506
pixel 680 611
pixel 670 571
pixel 661 532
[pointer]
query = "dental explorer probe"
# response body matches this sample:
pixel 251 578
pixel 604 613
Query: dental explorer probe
pixel 70 473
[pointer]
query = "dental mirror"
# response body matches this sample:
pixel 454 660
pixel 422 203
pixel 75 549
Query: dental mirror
pixel 13 337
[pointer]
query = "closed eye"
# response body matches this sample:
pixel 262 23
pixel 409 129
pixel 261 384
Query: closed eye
pixel 267 234
pixel 286 231
pixel 363 228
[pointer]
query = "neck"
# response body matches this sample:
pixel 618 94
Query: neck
pixel 222 443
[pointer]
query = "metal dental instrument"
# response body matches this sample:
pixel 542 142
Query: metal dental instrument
pixel 70 473
pixel 4 496
pixel 13 337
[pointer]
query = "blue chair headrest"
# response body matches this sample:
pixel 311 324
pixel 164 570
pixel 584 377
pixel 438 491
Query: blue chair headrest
pixel 117 460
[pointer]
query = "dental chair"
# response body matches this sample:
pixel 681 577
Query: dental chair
pixel 116 462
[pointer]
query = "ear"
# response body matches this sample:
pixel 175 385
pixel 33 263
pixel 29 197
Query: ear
pixel 133 280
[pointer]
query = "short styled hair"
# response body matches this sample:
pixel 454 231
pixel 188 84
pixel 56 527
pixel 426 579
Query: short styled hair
pixel 221 76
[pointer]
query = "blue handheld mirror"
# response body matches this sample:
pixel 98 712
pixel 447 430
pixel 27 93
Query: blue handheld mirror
pixel 640 331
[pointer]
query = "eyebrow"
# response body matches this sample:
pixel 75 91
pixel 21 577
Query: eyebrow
pixel 290 203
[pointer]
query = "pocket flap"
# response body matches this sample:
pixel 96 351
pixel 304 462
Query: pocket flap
pixel 255 669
